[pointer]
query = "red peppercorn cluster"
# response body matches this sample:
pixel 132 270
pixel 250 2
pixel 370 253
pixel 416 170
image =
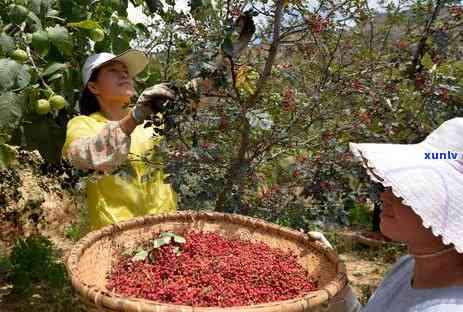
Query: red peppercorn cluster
pixel 211 271
pixel 289 100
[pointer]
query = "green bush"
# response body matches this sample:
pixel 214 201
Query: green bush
pixel 33 260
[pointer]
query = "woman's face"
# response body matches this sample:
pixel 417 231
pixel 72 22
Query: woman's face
pixel 400 223
pixel 113 83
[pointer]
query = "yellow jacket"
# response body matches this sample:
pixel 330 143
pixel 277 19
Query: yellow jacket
pixel 132 188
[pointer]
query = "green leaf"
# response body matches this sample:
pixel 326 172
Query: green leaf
pixel 120 44
pixel 45 135
pixel 55 76
pixel 23 77
pixel 179 239
pixel 74 11
pixel 13 75
pixel 104 45
pixel 40 42
pixel 140 255
pixel 16 13
pixel 164 234
pixel 154 6
pixel 7 44
pixel 87 24
pixel 40 6
pixel 426 61
pixel 59 36
pixel 35 20
pixel 142 28
pixel 195 5
pixel 157 243
pixel 429 42
pixel 7 155
pixel 54 68
pixel 11 110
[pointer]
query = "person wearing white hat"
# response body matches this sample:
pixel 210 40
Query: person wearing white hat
pixel 423 208
pixel 110 139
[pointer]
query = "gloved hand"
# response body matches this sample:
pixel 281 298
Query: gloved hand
pixel 151 100
pixel 345 300
pixel 320 237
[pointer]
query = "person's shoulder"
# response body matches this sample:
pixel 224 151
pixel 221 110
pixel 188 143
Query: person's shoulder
pixel 82 120
pixel 442 305
pixel 405 263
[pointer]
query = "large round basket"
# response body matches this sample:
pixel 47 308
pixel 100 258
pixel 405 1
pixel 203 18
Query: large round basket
pixel 93 256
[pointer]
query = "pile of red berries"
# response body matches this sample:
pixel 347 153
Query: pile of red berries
pixel 211 270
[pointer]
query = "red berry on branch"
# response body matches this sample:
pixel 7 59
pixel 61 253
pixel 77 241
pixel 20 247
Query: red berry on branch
pixel 289 101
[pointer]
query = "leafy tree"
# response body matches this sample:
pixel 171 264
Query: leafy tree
pixel 282 87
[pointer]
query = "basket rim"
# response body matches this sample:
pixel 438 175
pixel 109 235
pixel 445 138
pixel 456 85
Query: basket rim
pixel 105 298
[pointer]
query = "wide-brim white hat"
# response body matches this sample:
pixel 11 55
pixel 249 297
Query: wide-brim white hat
pixel 135 61
pixel 427 176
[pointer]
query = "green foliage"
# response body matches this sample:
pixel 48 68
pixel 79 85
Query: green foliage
pixel 11 110
pixel 5 264
pixel 42 47
pixel 329 81
pixel 13 75
pixel 7 155
pixel 46 136
pixel 164 238
pixel 33 260
pixel 334 81
pixel 7 44
pixel 360 214
pixel 73 232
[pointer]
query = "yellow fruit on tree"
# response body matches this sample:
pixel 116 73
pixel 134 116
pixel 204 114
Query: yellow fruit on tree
pixel 42 107
pixel 19 55
pixel 57 102
pixel 97 34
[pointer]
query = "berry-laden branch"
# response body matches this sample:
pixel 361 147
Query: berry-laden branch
pixel 416 66
pixel 234 174
pixel 167 116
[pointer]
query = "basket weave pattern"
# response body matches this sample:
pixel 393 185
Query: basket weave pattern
pixel 94 255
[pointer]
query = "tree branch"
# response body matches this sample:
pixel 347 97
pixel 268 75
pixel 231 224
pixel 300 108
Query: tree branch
pixel 240 160
pixel 415 66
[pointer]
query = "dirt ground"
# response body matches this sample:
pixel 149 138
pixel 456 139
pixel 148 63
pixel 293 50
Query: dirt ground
pixel 32 202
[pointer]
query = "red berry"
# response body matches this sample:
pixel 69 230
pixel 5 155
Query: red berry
pixel 213 271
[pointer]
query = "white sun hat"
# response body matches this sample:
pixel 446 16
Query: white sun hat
pixel 135 61
pixel 427 176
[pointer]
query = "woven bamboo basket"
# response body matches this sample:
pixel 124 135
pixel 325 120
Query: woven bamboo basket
pixel 94 255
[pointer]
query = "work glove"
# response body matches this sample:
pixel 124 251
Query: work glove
pixel 320 237
pixel 345 300
pixel 151 101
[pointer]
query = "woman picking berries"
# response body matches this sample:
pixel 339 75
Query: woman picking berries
pixel 110 139
pixel 423 208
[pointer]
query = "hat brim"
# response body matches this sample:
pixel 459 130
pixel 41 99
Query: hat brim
pixel 431 187
pixel 135 60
